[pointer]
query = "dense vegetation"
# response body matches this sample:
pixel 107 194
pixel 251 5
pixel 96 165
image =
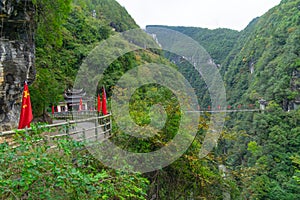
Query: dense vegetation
pixel 34 170
pixel 218 42
pixel 66 32
pixel 265 64
pixel 260 149
pixel 258 154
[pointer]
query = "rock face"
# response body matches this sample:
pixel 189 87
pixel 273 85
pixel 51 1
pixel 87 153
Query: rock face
pixel 16 57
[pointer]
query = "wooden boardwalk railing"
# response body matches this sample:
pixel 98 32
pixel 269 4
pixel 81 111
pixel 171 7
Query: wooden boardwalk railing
pixel 86 129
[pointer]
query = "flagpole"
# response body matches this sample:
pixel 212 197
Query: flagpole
pixel 26 127
pixel 97 106
pixel 104 101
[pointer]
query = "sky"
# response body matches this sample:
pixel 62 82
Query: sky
pixel 233 14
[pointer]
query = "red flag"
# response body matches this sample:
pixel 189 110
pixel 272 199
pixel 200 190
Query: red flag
pixel 80 104
pixel 104 109
pixel 99 103
pixel 26 110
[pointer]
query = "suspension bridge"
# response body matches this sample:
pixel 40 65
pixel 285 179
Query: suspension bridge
pixel 226 111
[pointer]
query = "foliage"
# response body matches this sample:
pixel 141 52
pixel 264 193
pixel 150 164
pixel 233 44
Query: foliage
pixel 111 12
pixel 187 177
pixel 50 16
pixel 218 43
pixel 35 170
pixel 296 161
pixel 263 168
pixel 260 151
pixel 210 40
pixel 265 64
pixel 66 33
pixel 266 59
pixel 44 92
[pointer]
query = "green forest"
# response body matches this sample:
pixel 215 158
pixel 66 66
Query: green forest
pixel 257 155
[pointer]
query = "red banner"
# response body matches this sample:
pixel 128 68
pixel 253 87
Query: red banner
pixel 104 108
pixel 26 110
pixel 80 105
pixel 99 104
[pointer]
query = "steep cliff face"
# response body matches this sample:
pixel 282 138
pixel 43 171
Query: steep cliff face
pixel 16 57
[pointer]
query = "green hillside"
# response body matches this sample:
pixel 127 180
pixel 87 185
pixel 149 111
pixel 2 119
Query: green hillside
pixel 65 38
pixel 257 155
pixel 262 62
pixel 262 148
pixel 78 27
pixel 266 62
pixel 218 43
pixel 211 40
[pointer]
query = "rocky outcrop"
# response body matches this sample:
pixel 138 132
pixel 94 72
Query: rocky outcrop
pixel 16 57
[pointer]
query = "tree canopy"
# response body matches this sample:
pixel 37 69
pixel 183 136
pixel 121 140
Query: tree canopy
pixel 257 156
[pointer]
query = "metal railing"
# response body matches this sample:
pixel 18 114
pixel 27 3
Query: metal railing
pixel 87 129
pixel 71 115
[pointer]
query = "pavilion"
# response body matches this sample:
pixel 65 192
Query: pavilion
pixel 72 98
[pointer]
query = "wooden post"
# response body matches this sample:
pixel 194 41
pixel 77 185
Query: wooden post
pixel 104 125
pixel 110 124
pixel 67 128
pixel 96 128
pixel 48 139
pixel 83 135
pixel 99 120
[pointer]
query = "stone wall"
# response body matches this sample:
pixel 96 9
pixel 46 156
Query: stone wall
pixel 16 57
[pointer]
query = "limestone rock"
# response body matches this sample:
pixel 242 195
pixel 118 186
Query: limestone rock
pixel 16 57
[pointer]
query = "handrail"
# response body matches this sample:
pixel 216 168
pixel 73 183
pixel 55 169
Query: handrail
pixel 61 124
pixel 73 114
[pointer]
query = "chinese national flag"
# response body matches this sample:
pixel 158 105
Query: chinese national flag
pixel 26 110
pixel 104 108
pixel 99 103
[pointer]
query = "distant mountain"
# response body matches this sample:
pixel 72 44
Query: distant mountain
pixel 217 42
pixel 261 61
pixel 265 62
